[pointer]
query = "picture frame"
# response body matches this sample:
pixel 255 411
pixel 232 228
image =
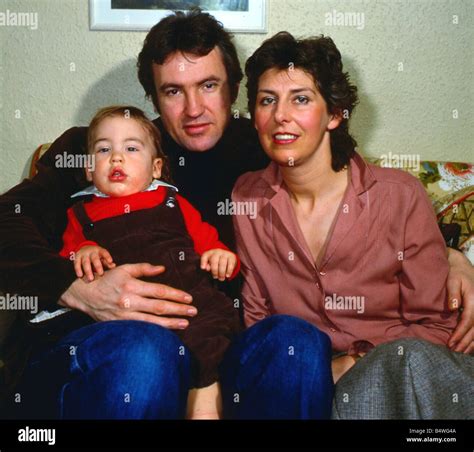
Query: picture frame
pixel 237 16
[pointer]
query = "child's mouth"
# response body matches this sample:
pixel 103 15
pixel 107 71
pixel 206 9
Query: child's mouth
pixel 117 175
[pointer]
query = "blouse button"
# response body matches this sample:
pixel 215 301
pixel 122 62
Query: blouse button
pixel 333 330
pixel 317 285
pixel 322 273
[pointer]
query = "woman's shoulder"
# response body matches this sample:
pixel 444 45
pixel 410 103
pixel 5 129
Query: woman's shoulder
pixel 391 175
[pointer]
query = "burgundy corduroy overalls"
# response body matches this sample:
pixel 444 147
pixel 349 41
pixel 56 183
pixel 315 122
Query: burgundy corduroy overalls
pixel 159 236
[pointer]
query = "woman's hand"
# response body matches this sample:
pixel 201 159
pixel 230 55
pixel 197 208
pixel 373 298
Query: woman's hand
pixel 460 287
pixel 342 364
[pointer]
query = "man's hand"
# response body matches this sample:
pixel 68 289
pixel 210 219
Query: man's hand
pixel 92 258
pixel 220 263
pixel 120 295
pixel 460 286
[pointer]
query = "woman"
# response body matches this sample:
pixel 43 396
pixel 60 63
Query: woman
pixel 352 249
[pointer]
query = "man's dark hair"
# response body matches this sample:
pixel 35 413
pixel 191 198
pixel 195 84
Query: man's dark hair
pixel 320 58
pixel 193 32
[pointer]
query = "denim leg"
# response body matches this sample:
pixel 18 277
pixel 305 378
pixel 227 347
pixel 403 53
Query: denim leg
pixel 280 368
pixel 109 370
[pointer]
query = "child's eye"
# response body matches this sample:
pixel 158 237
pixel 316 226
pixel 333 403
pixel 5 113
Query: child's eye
pixel 101 150
pixel 132 149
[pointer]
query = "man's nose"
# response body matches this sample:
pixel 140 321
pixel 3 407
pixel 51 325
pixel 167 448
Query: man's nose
pixel 194 105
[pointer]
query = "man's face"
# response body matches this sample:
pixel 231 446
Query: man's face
pixel 194 98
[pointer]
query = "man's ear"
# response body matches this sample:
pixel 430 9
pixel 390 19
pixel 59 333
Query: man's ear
pixel 335 120
pixel 233 99
pixel 157 166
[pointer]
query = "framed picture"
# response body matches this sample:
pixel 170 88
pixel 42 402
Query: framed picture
pixel 239 16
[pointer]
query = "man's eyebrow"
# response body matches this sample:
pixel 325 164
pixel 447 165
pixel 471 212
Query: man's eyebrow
pixel 211 78
pixel 292 91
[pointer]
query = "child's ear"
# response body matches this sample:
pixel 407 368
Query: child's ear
pixel 157 165
pixel 89 173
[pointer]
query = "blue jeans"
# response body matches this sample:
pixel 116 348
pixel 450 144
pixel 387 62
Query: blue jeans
pixel 121 369
pixel 280 368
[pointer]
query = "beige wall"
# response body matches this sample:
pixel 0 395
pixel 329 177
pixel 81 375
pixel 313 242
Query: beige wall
pixel 56 76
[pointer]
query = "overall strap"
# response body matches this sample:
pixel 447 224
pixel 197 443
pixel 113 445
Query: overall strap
pixel 81 215
pixel 170 200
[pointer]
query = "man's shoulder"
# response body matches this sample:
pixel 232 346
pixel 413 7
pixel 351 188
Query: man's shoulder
pixel 241 127
pixel 250 185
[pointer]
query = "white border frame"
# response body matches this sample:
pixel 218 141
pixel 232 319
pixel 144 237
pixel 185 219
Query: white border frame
pixel 103 17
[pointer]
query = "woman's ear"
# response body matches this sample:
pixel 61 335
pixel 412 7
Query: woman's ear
pixel 335 120
pixel 157 166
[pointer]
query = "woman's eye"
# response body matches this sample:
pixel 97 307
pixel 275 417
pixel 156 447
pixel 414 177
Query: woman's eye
pixel 302 100
pixel 132 149
pixel 267 101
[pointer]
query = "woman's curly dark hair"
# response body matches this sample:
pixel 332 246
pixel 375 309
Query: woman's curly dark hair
pixel 319 57
pixel 194 32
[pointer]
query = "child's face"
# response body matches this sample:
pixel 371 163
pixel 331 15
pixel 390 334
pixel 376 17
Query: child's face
pixel 124 153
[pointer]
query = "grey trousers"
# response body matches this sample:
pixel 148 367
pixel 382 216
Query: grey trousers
pixel 407 379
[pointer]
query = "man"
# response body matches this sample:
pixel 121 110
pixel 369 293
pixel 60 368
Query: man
pixel 77 368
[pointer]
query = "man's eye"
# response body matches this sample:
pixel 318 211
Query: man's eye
pixel 302 100
pixel 267 101
pixel 132 149
pixel 210 86
pixel 172 91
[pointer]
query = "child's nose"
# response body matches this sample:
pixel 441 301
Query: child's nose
pixel 117 157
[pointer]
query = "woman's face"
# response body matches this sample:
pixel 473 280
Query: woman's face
pixel 291 117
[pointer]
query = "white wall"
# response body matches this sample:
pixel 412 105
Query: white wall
pixel 58 75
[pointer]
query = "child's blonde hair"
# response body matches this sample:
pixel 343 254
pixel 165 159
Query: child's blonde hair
pixel 130 112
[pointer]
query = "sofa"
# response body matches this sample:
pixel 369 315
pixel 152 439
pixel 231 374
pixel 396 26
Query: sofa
pixel 450 186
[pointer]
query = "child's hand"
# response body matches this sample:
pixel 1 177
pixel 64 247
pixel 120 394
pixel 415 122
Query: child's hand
pixel 92 257
pixel 220 263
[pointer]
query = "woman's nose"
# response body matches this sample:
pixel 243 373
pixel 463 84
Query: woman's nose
pixel 282 113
